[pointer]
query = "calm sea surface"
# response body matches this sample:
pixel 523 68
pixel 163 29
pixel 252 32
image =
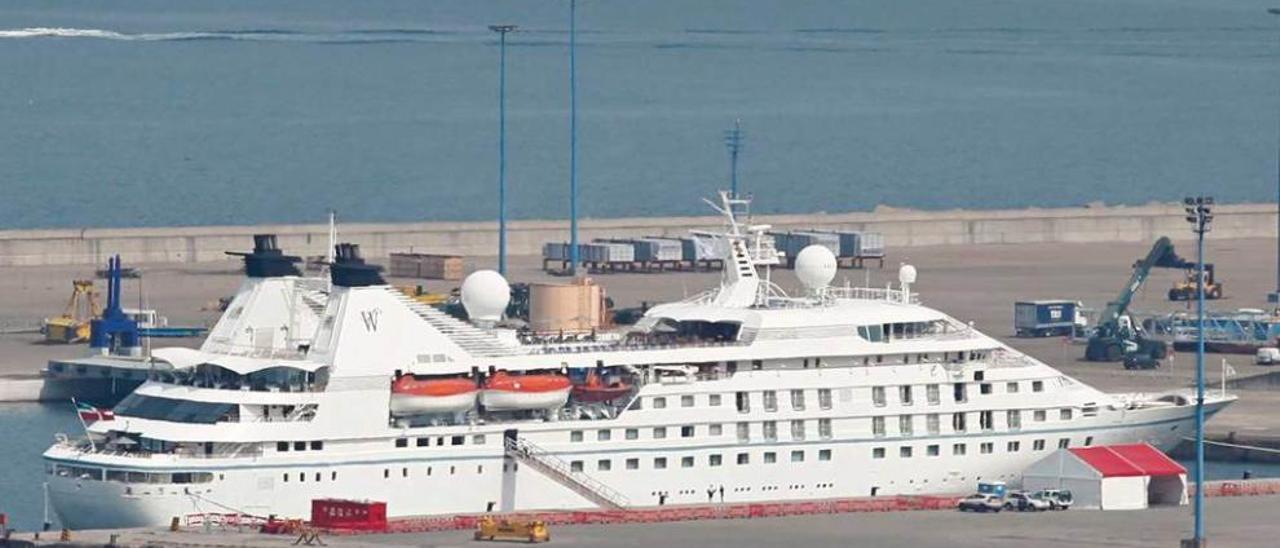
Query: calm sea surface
pixel 171 112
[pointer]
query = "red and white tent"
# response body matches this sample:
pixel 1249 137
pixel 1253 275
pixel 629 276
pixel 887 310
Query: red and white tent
pixel 1111 477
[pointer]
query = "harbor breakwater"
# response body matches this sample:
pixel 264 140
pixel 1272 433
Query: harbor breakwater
pixel 902 228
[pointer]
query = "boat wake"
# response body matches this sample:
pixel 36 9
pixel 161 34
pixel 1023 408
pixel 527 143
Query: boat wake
pixel 250 35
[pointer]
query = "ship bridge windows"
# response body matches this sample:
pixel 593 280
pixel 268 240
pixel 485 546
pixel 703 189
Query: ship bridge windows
pixel 269 379
pixel 173 410
pixel 668 330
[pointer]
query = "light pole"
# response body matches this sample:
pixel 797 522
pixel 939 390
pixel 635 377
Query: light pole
pixel 733 140
pixel 573 138
pixel 502 31
pixel 1274 298
pixel 1200 214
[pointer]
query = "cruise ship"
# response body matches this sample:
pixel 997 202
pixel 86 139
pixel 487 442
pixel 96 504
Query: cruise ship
pixel 743 393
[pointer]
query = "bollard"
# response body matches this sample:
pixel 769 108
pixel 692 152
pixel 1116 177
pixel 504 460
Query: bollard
pixel 173 524
pixel 65 536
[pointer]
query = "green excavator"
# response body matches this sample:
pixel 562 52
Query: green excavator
pixel 1117 337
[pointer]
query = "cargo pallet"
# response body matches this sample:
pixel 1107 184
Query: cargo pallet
pixel 561 267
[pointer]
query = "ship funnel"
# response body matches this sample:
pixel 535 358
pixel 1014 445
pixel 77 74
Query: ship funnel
pixel 350 270
pixel 266 260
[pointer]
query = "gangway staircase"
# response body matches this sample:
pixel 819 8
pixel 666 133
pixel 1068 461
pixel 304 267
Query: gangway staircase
pixel 557 469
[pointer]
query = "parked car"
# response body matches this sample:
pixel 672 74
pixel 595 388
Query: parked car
pixel 1026 502
pixel 1267 356
pixel 1059 499
pixel 981 502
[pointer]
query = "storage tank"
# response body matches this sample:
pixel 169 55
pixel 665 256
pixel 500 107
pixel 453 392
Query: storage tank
pixel 571 308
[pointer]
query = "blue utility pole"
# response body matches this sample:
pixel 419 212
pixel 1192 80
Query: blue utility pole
pixel 1199 214
pixel 1274 298
pixel 573 138
pixel 733 140
pixel 502 31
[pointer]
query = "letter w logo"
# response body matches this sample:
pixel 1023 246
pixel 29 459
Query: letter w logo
pixel 370 318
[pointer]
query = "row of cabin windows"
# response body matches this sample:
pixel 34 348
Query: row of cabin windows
pixel 743 400
pixel 769 429
pixel 689 461
pixel 283 446
pixel 426 441
pixel 985 448
pixel 933 393
pixel 404 472
pixel 960 421
pixel 301 477
pixel 905 393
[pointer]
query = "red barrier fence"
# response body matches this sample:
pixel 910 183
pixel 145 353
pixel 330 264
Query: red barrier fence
pixel 1241 488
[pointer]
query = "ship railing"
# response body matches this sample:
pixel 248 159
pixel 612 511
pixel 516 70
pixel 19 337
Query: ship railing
pixel 234 451
pixel 873 294
pixel 1002 358
pixel 579 348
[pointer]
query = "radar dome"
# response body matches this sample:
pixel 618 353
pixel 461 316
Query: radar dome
pixel 907 274
pixel 815 266
pixel 485 295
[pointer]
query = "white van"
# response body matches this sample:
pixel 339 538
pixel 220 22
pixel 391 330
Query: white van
pixel 1267 356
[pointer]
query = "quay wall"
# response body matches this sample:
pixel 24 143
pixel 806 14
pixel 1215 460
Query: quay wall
pixel 902 228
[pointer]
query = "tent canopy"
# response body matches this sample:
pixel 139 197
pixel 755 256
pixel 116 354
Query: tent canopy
pixel 1135 459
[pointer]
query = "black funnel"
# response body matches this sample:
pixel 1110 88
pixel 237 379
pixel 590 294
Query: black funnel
pixel 266 260
pixel 350 270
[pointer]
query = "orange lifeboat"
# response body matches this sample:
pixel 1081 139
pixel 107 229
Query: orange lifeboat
pixel 506 392
pixel 413 396
pixel 596 390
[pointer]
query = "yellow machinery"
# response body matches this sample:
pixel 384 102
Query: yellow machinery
pixel 1185 290
pixel 420 294
pixel 73 325
pixel 489 528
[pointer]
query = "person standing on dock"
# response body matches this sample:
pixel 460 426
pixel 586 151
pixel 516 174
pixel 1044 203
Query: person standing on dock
pixel 711 494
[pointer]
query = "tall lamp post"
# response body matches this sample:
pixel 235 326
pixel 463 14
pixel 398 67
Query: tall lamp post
pixel 1274 298
pixel 573 138
pixel 502 31
pixel 1200 214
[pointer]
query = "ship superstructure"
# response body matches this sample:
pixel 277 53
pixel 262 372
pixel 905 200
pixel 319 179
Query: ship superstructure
pixel 742 392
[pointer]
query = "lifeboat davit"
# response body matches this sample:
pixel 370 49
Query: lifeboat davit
pixel 411 396
pixel 596 390
pixel 506 392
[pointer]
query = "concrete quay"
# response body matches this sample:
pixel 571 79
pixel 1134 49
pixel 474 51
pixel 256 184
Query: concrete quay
pixel 902 229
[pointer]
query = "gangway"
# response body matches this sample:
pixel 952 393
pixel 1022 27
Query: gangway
pixel 557 469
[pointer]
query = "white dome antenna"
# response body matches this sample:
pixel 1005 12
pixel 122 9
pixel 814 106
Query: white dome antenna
pixel 906 276
pixel 485 295
pixel 815 267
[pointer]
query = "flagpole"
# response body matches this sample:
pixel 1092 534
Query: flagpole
pixel 76 406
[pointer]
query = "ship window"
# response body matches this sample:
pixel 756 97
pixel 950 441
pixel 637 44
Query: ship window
pixel 686 462
pixel 824 398
pixel 1039 415
pixel 457 440
pixel 987 448
pixel 317 445
pixel 333 476
pixel 744 431
pixel 871 333
pixel 404 472
pixel 1064 443
pixel 439 441
pixel 1011 387
pixel 604 435
pixel 797 400
pixel 824 454
pixel 904 394
pixel 770 400
pixel 770 457
pixel 904 451
pixel 770 430
pixel 744 458
pixel 713 400
pixel 877 453
pixel 1037 386
pixel 423 442
pixel 286 477
pixel 1064 414
pixel 173 410
pixel 604 465
pixel 797 456
pixel 986 420
pixel 958 422
pixel 743 401
pixel 282 446
pixel 1014 418
pixel 478 439
pixel 931 393
pixel 797 430
pixel 660 463
pixel 877 426
pixel 1089 411
pixel 575 466
pixel 632 434
pixel 659 432
pixel 958 393
pixel 317 476
pixel 299 446
pixel 686 431
pixel 757 365
pixel 877 396
pixel 958 449
pixel 1038 445
pixel 633 464
pixel 905 425
pixel 715 429
pixel 686 400
pixel 715 460
pixel 824 428
pixel 660 403
pixel 386 473
pixel 931 423
pixel 1088 441
pixel 402 442
pixel 575 435
pixel 453 470
pixel 1013 446
pixel 984 388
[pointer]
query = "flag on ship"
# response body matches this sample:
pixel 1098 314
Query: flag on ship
pixel 89 413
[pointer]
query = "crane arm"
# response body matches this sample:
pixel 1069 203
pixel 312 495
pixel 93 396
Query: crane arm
pixel 1162 256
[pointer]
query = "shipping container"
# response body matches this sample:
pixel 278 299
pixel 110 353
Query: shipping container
pixel 872 245
pixel 698 249
pixel 790 243
pixel 1044 318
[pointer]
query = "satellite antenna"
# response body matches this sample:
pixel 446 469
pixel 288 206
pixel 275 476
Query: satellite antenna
pixel 733 141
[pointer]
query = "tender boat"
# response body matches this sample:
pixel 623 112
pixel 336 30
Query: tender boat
pixel 506 392
pixel 413 396
pixel 595 390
